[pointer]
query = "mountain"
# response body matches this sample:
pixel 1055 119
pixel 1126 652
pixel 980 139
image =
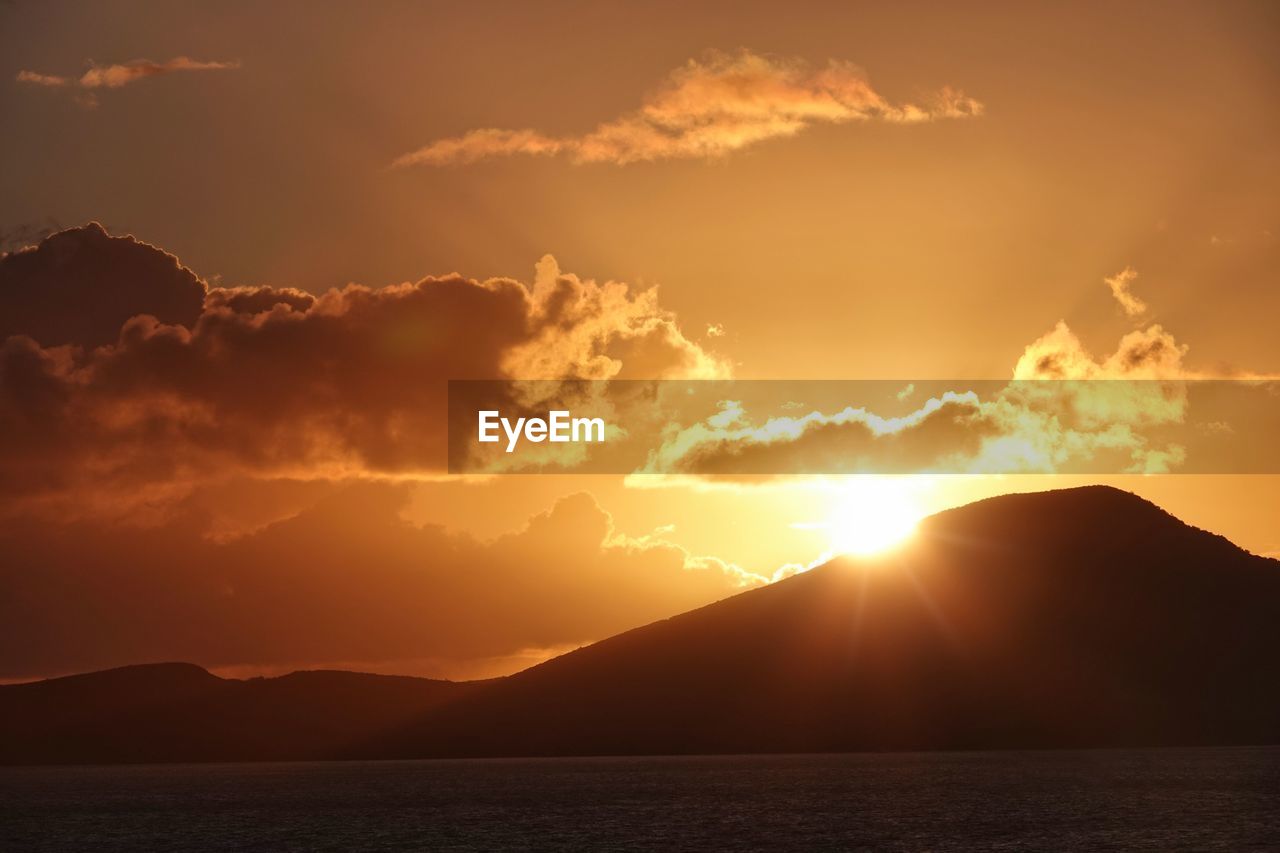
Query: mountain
pixel 1082 617
pixel 180 712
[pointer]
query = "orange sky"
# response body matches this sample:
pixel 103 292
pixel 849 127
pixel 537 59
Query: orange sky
pixel 889 191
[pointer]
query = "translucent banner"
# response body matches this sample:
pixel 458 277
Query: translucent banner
pixel 927 426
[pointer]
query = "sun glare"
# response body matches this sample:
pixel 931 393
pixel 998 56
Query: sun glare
pixel 870 518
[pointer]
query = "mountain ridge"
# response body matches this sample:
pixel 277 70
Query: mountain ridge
pixel 1077 617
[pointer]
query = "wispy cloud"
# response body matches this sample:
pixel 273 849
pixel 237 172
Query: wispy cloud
pixel 39 79
pixel 710 108
pixel 118 75
pixel 1119 284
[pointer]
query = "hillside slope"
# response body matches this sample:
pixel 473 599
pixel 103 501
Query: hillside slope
pixel 1082 617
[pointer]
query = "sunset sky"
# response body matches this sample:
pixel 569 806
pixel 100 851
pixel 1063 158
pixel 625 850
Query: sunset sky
pixel 223 435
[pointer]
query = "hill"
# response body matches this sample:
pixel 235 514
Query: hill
pixel 1083 617
pixel 180 712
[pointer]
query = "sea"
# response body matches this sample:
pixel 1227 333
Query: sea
pixel 1141 799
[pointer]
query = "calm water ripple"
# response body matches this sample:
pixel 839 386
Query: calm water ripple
pixel 1188 799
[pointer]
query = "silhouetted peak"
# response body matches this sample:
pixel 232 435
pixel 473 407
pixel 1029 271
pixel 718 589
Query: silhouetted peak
pixel 1081 498
pixel 166 673
pixel 1086 512
pixel 336 677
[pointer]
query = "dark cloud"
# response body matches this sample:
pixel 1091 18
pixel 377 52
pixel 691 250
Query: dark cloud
pixel 275 382
pixel 79 286
pixel 127 389
pixel 255 300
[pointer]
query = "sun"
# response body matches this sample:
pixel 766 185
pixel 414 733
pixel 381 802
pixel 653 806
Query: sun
pixel 869 518
pixel 868 521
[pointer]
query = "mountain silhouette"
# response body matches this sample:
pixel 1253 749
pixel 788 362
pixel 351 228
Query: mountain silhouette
pixel 1081 617
pixel 180 712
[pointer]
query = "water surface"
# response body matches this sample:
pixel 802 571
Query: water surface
pixel 1188 799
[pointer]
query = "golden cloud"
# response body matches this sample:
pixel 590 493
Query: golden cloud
pixel 1119 284
pixel 710 108
pixel 1064 410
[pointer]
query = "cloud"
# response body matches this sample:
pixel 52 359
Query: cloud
pixel 79 286
pixel 1056 415
pixel 482 145
pixel 990 428
pixel 142 412
pixel 1119 284
pixel 123 381
pixel 115 76
pixel 1150 353
pixel 38 79
pixel 119 74
pixel 289 592
pixel 710 108
pixel 851 440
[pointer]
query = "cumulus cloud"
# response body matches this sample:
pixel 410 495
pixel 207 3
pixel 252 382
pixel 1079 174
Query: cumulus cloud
pixel 603 331
pixel 1150 353
pixel 1119 284
pixel 119 74
pixel 129 388
pixel 80 285
pixel 710 108
pixel 192 384
pixel 1065 410
pixel 424 600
